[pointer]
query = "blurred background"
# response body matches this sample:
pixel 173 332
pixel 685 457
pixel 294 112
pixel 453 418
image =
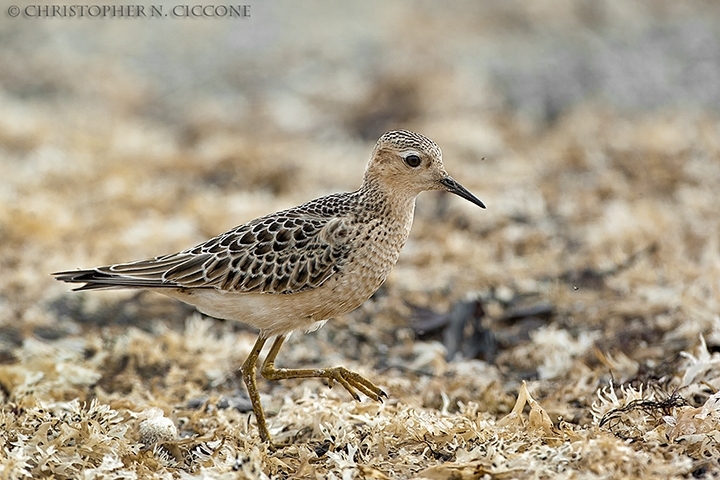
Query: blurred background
pixel 589 128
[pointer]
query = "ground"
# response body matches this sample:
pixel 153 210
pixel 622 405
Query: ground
pixel 571 330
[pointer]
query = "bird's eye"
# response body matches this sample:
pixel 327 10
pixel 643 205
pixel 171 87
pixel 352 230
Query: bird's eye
pixel 412 160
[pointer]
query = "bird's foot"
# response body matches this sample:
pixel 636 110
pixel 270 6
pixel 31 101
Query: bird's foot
pixel 353 382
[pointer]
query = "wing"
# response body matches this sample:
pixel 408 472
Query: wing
pixel 280 253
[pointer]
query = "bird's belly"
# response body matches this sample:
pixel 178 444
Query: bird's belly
pixel 273 314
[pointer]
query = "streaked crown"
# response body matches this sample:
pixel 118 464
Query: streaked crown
pixel 405 139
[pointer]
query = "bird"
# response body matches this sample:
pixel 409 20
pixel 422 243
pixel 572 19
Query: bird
pixel 297 268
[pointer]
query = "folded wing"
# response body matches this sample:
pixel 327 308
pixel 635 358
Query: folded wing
pixel 274 254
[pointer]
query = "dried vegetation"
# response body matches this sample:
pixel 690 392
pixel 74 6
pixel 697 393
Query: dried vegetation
pixel 571 330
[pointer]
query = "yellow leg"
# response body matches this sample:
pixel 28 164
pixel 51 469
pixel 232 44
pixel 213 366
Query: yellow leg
pixel 249 372
pixel 353 382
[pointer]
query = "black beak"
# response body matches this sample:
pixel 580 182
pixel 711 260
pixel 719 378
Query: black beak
pixel 454 187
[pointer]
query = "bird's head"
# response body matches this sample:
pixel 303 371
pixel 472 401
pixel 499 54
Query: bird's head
pixel 407 163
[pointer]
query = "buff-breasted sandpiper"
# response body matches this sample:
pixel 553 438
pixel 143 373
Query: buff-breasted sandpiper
pixel 294 268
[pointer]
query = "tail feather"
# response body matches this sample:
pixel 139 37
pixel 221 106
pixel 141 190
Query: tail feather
pixel 97 280
pixel 141 274
pixel 170 271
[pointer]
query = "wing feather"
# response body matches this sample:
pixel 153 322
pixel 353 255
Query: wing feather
pixel 281 253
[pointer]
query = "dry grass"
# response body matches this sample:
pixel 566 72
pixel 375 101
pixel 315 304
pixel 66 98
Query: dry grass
pixel 586 296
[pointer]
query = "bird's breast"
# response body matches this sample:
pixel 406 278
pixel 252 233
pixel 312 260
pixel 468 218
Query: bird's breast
pixel 376 247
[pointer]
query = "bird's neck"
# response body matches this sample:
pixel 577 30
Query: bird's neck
pixel 394 203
